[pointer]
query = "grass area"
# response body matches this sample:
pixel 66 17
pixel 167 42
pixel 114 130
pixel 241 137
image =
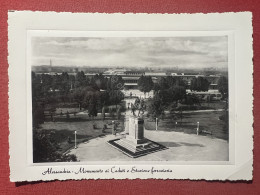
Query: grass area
pixel 64 129
pixel 208 123
pixel 65 110
pixel 214 105
pixel 203 106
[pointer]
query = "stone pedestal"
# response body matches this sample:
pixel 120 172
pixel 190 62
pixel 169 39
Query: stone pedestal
pixel 135 144
pixel 136 130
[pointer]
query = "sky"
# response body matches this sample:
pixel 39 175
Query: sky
pixel 126 52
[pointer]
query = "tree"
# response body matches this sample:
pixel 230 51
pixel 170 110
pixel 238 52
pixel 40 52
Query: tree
pixel 145 84
pixel 37 90
pixel 172 94
pixel 56 81
pixel 192 99
pixel 111 112
pixel 118 113
pixel 98 81
pixel 37 104
pixel 115 82
pixel 177 93
pixel 81 80
pixel 115 97
pixel 47 84
pixel 163 84
pixel 92 107
pixel 64 86
pixel 180 82
pixel 223 86
pixel 156 88
pixel 199 84
pixel 223 89
pixel 37 114
pixel 156 107
pixel 168 91
pixel 80 95
pixel 170 81
pixel 45 149
pixel 72 79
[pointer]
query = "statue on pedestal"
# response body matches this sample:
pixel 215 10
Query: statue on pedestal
pixel 138 105
pixel 134 144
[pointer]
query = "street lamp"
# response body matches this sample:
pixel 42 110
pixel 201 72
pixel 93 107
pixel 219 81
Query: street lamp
pixel 198 126
pixel 113 127
pixel 75 139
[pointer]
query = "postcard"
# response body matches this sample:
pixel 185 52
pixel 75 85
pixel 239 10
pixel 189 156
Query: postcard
pixel 127 96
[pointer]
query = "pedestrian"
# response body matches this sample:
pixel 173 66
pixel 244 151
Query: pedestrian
pixel 104 128
pixel 67 115
pixel 69 139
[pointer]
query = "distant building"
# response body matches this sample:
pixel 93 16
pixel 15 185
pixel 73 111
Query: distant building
pixel 131 77
pixel 75 70
pixel 155 74
pixel 115 72
pixel 136 73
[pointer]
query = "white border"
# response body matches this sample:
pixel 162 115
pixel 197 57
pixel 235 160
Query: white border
pixel 237 26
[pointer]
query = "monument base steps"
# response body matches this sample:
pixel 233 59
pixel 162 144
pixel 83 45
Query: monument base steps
pixel 136 150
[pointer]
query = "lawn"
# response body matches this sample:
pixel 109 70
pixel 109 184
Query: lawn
pixel 208 123
pixel 214 105
pixel 63 129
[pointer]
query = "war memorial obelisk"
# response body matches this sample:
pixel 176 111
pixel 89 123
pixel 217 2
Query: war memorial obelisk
pixel 134 144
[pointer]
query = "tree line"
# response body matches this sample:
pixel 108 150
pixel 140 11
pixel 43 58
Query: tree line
pixel 89 92
pixel 168 91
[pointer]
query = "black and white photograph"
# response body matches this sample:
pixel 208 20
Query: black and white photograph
pixel 130 98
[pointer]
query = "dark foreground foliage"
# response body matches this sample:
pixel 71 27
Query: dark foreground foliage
pixel 45 149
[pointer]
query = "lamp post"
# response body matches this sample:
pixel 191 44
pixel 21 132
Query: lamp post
pixel 75 139
pixel 113 127
pixel 198 126
pixel 156 125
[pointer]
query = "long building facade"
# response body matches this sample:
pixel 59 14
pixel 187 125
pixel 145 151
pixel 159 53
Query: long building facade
pixel 131 77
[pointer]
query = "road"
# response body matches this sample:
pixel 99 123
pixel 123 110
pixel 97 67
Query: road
pixel 181 147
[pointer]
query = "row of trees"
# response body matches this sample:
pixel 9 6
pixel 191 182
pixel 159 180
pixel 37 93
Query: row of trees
pixel 64 83
pixel 145 84
pixel 169 91
pixel 88 97
pixel 90 93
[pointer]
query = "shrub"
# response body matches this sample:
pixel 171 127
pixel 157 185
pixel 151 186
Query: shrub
pixel 45 149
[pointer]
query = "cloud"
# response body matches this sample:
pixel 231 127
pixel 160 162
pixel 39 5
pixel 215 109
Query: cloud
pixel 131 51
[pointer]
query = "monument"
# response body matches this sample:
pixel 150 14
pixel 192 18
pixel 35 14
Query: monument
pixel 134 144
